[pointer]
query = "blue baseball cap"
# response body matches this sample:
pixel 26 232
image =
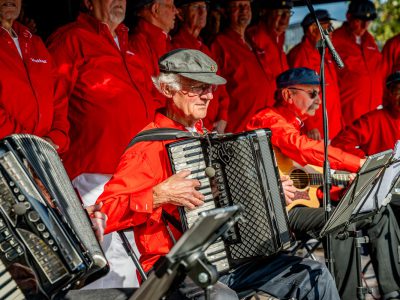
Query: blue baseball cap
pixel 297 76
pixel 322 15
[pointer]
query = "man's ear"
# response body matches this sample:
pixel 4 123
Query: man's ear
pixel 88 4
pixel 155 8
pixel 166 90
pixel 287 95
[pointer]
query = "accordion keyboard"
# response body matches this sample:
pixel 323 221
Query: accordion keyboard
pixel 8 287
pixel 189 157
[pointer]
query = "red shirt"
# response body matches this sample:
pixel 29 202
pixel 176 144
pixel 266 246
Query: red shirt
pixel 218 107
pixel 28 103
pixel 108 89
pixel 374 132
pixel 391 55
pixel 360 81
pixel 286 135
pixel 269 50
pixel 247 86
pixel 307 55
pixel 128 196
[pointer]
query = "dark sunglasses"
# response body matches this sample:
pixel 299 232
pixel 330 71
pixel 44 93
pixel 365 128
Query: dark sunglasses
pixel 313 94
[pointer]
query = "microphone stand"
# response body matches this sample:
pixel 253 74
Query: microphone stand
pixel 324 43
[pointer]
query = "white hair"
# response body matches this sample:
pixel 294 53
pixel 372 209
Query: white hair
pixel 170 79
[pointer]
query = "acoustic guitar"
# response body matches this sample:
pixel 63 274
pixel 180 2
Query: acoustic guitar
pixel 306 179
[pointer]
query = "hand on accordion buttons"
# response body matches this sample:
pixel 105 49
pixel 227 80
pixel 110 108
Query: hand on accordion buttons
pixel 178 190
pixel 99 220
pixel 288 188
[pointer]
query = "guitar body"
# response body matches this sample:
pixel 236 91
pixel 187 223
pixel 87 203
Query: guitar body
pixel 306 194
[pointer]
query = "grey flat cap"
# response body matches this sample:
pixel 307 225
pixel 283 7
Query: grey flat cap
pixel 192 64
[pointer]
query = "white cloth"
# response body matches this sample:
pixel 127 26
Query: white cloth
pixel 122 269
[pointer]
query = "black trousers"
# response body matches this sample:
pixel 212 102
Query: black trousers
pixel 384 248
pixel 281 276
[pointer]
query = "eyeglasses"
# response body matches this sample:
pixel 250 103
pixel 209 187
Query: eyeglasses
pixel 198 6
pixel 198 90
pixel 284 12
pixel 313 94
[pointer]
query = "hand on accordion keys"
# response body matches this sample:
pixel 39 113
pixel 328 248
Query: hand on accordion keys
pixel 99 220
pixel 178 190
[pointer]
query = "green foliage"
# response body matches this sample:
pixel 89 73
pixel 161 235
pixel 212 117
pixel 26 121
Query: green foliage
pixel 388 22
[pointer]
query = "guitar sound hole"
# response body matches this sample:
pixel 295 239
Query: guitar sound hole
pixel 300 179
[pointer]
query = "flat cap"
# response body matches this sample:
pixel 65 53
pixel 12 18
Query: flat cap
pixel 393 78
pixel 192 64
pixel 362 9
pixel 297 76
pixel 179 3
pixel 322 15
pixel 276 4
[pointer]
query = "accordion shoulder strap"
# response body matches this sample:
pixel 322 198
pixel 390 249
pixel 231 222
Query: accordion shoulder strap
pixel 162 134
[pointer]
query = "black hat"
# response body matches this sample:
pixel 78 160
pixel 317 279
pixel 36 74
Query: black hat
pixel 138 4
pixel 393 78
pixel 192 64
pixel 297 76
pixel 362 9
pixel 179 3
pixel 322 15
pixel 276 4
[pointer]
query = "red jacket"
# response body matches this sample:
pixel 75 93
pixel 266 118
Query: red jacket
pixel 391 55
pixel 108 89
pixel 247 86
pixel 150 43
pixel 128 196
pixel 306 55
pixel 218 108
pixel 374 132
pixel 360 81
pixel 285 127
pixel 269 50
pixel 28 103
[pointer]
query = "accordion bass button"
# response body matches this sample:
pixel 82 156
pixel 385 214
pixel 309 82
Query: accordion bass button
pixel 40 227
pixel 33 216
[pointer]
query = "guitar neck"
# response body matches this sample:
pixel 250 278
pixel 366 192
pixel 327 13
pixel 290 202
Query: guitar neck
pixel 337 179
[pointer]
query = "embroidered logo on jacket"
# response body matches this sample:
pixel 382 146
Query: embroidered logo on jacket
pixel 39 60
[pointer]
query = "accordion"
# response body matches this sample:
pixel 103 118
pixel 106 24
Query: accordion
pixel 47 244
pixel 246 174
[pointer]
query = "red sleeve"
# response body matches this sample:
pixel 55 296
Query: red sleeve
pixel 223 99
pixel 8 125
pixel 60 126
pixel 128 196
pixel 355 136
pixel 302 149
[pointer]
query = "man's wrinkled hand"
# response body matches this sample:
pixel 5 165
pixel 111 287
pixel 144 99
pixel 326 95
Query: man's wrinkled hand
pixel 178 190
pixel 288 188
pixel 99 220
pixel 314 134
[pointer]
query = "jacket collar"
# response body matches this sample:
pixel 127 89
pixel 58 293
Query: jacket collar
pixel 162 121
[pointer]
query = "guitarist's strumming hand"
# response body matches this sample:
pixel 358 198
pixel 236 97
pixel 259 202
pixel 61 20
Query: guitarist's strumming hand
pixel 288 188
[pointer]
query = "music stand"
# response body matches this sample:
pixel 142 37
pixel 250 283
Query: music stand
pixel 369 192
pixel 360 199
pixel 187 257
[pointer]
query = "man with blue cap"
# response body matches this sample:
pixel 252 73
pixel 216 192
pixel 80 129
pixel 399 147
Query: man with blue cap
pixel 362 77
pixel 305 54
pixel 143 191
pixel 297 98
